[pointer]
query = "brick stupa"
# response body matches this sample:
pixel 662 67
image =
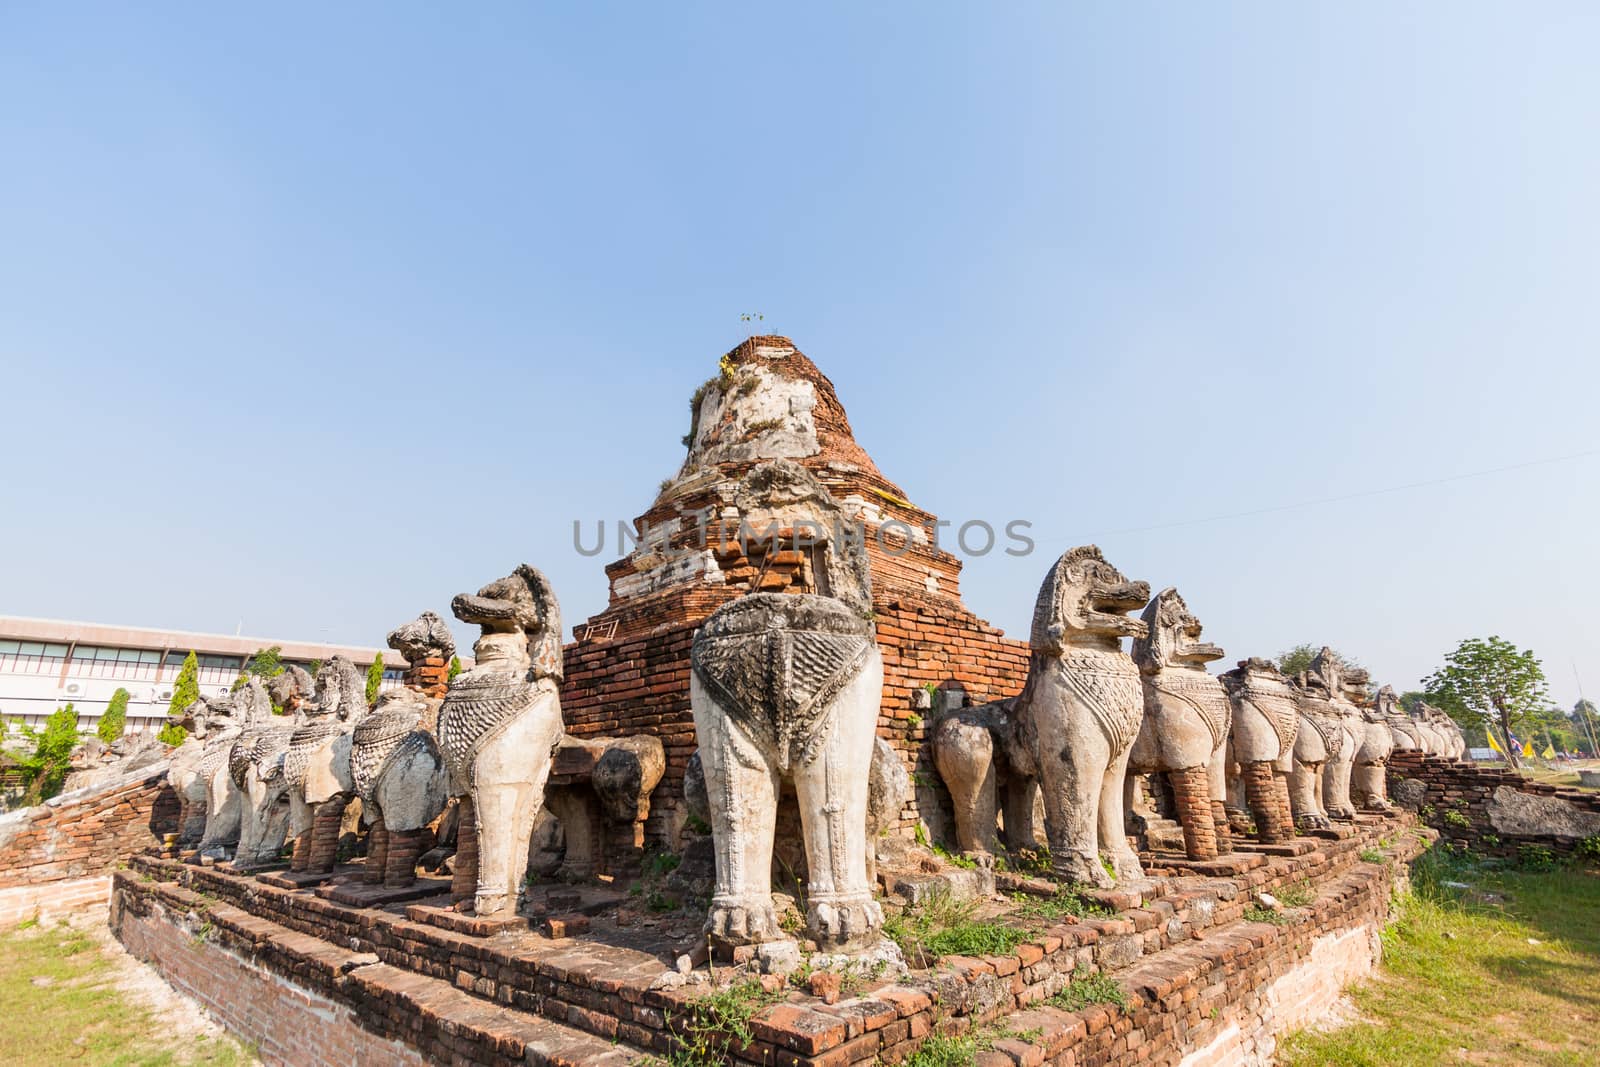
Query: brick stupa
pixel 628 670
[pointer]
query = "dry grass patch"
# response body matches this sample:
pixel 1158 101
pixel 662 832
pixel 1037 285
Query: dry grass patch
pixel 69 996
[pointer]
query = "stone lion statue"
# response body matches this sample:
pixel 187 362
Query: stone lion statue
pixel 498 730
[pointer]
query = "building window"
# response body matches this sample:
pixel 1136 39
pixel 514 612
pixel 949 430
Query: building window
pixel 31 657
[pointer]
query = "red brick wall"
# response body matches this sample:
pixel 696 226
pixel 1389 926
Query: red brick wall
pixel 289 1023
pixel 86 832
pixel 1456 801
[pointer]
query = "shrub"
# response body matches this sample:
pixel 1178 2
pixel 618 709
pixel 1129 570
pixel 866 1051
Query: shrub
pixel 47 765
pixel 1536 858
pixel 1456 819
pixel 1588 850
pixel 115 719
pixel 455 668
pixel 186 690
pixel 717 1024
pixel 374 679
pixel 266 663
pixel 172 735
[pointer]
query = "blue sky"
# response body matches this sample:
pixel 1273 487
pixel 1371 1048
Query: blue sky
pixel 313 317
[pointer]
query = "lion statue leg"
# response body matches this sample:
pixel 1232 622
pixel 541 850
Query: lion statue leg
pixel 742 793
pixel 832 791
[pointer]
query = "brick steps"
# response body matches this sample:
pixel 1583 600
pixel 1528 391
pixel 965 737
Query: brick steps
pixel 1174 995
pixel 445 1024
pixel 605 983
pixel 449 1024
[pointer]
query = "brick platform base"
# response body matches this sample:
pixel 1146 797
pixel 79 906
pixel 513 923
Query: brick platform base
pixel 1203 984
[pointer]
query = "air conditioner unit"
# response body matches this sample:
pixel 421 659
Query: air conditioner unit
pixel 74 687
pixel 165 694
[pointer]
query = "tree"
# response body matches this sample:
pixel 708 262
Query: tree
pixel 1587 719
pixel 47 765
pixel 115 719
pixel 1410 699
pixel 374 679
pixel 266 663
pixel 186 690
pixel 172 735
pixel 1298 659
pixel 455 668
pixel 1487 681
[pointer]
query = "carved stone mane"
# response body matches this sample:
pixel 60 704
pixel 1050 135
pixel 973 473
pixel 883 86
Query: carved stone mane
pixel 775 661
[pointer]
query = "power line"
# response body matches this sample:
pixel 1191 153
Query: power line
pixel 1363 494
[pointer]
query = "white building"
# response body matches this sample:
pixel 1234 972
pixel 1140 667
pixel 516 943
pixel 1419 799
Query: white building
pixel 49 663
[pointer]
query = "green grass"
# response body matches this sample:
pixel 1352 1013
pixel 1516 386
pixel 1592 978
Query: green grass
pixel 1506 971
pixel 78 1015
pixel 943 1050
pixel 1295 896
pixel 944 926
pixel 1257 914
pixel 1086 989
pixel 1053 909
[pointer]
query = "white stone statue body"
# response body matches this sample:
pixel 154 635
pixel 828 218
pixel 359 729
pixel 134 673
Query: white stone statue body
pixel 1345 685
pixel 256 766
pixel 788 686
pixel 1319 740
pixel 1080 711
pixel 1369 781
pixel 498 730
pixel 1184 734
pixel 1405 733
pixel 400 775
pixel 1265 726
pixel 208 800
pixel 316 766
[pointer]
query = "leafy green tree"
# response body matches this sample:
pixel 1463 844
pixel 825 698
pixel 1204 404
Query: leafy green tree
pixel 47 765
pixel 1488 681
pixel 266 663
pixel 1586 720
pixel 115 719
pixel 1410 699
pixel 455 668
pixel 172 735
pixel 374 679
pixel 1298 659
pixel 186 690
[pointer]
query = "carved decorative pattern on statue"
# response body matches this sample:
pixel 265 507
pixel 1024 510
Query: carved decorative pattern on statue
pixel 1325 722
pixel 260 750
pixel 303 744
pixel 478 704
pixel 1108 684
pixel 1273 698
pixel 775 662
pixel 1201 692
pixel 376 738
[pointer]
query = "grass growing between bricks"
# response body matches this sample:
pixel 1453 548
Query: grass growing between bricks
pixel 944 926
pixel 1503 971
pixel 62 1005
